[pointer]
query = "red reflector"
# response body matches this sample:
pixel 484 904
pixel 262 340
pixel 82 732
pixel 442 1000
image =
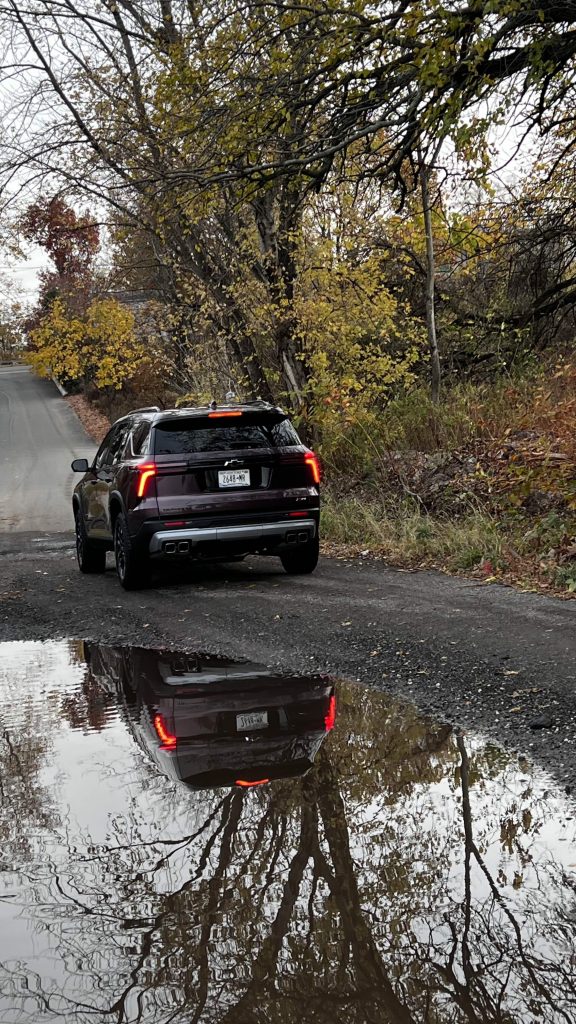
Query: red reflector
pixel 330 716
pixel 246 785
pixel 168 739
pixel 312 460
pixel 147 472
pixel 297 515
pixel 179 523
pixel 219 415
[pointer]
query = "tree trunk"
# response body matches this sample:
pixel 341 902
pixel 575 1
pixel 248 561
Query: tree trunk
pixel 242 346
pixel 278 219
pixel 435 373
pixel 188 251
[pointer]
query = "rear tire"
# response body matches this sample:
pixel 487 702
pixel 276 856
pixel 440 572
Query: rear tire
pixel 301 560
pixel 132 566
pixel 91 559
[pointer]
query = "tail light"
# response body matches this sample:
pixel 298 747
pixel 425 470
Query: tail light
pixel 248 785
pixel 167 739
pixel 147 471
pixel 330 716
pixel 221 415
pixel 312 460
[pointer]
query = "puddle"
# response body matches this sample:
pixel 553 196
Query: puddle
pixel 389 871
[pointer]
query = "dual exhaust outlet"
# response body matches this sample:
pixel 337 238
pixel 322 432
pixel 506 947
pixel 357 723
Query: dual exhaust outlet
pixel 297 536
pixel 183 547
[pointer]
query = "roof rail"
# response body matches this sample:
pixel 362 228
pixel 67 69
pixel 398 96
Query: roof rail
pixel 145 408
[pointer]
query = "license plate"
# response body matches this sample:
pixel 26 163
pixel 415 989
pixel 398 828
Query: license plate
pixel 252 720
pixel 234 478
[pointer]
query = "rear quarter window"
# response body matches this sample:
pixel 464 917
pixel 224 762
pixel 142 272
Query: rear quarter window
pixel 199 434
pixel 141 438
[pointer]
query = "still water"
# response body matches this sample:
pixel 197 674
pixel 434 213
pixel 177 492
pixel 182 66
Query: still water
pixel 187 840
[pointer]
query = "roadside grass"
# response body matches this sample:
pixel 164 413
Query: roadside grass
pixel 503 501
pixel 405 535
pixel 535 555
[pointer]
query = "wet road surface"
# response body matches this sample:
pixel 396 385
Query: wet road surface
pixel 39 437
pixel 410 875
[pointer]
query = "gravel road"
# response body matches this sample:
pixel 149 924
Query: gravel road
pixel 482 656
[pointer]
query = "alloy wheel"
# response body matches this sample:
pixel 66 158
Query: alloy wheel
pixel 119 550
pixel 79 541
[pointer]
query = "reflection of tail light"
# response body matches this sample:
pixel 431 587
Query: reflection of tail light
pixel 167 739
pixel 246 784
pixel 330 716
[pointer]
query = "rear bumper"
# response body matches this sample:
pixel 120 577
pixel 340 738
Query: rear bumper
pixel 185 541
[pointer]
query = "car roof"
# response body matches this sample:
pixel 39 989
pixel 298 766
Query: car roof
pixel 156 415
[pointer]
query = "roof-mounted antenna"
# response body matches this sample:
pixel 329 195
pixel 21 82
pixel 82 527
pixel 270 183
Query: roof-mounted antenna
pixel 213 404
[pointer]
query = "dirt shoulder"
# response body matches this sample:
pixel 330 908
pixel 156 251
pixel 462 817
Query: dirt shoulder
pixel 94 422
pixel 482 657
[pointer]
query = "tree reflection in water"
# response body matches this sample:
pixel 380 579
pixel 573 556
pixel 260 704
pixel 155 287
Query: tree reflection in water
pixel 410 876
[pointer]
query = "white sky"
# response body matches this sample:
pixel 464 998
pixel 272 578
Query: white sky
pixel 22 273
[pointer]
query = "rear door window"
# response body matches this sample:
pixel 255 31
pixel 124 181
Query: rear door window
pixel 101 458
pixel 201 434
pixel 119 442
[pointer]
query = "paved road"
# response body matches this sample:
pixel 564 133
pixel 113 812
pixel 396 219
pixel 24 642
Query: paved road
pixel 39 436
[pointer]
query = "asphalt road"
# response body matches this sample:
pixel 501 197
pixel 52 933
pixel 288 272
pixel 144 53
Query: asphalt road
pixel 39 437
pixel 485 657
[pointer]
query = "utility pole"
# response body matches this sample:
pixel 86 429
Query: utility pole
pixel 435 372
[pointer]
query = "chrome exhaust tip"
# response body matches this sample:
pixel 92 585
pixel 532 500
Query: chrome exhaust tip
pixel 170 547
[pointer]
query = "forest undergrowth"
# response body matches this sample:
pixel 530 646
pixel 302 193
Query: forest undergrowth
pixel 482 484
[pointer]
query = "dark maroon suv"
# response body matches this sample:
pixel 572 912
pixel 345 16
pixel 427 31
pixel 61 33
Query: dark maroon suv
pixel 203 483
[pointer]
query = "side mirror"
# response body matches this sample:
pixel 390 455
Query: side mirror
pixel 80 466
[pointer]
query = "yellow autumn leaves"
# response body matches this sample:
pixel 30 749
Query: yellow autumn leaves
pixel 99 347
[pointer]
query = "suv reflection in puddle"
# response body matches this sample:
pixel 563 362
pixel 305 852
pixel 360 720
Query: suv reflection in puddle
pixel 209 722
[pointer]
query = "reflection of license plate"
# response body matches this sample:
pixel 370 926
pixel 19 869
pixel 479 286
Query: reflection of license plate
pixel 252 720
pixel 234 477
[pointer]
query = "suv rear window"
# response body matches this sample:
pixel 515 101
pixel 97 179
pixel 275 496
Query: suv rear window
pixel 200 434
